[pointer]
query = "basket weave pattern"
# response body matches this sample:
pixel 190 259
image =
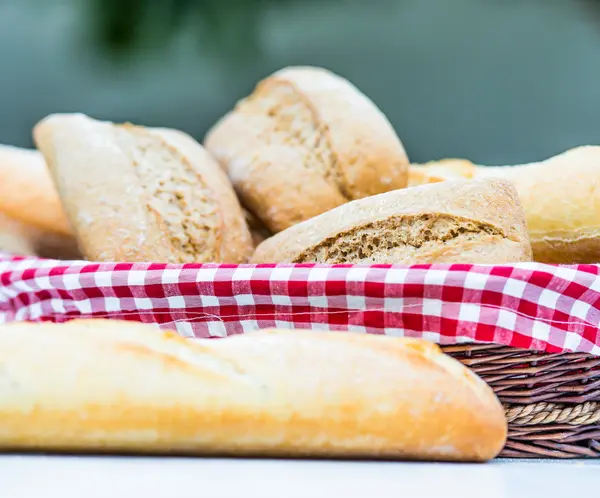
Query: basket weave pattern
pixel 552 401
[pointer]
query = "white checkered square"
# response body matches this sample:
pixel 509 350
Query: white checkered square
pixel 144 303
pixel 549 298
pixel 540 331
pixel 432 307
pixel 580 309
pixel 476 281
pixel 507 319
pixel 396 276
pixel 469 312
pixel 135 278
pixel 244 300
pixel 514 288
pixel 176 302
pixel 318 274
pixel 243 273
pixel 435 277
pixel 170 276
pixel 210 301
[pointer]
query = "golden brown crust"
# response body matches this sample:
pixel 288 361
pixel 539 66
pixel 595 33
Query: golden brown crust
pixel 304 142
pixel 143 195
pixel 27 193
pixel 459 221
pixel 119 386
pixel 561 198
pixel 439 171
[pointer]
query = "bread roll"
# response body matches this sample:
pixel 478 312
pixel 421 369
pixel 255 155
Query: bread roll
pixel 14 238
pixel 440 171
pixel 561 199
pixel 450 222
pixel 27 193
pixel 304 142
pixel 109 386
pixel 140 194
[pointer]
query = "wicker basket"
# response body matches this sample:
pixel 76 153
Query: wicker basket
pixel 552 401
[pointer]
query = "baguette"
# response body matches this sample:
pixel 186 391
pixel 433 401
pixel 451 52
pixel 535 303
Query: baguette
pixel 304 142
pixel 561 199
pixel 141 194
pixel 27 193
pixel 109 386
pixel 450 222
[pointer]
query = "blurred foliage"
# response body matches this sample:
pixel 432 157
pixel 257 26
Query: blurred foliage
pixel 226 25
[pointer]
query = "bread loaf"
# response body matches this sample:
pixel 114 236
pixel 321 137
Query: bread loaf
pixel 109 386
pixel 560 197
pixel 450 222
pixel 27 193
pixel 304 142
pixel 140 194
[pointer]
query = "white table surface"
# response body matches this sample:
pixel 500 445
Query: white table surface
pixel 91 477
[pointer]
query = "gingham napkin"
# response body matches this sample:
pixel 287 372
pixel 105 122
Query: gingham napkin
pixel 535 306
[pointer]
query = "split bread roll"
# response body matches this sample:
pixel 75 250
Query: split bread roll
pixel 561 199
pixel 304 142
pixel 27 193
pixel 110 386
pixel 141 194
pixel 450 222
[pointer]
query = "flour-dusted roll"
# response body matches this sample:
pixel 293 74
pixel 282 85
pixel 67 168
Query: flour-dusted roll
pixel 304 142
pixel 560 196
pixel 109 386
pixel 478 221
pixel 141 194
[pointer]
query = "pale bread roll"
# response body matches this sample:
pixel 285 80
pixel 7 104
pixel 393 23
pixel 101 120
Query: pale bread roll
pixel 561 199
pixel 304 142
pixel 141 194
pixel 109 386
pixel 27 193
pixel 14 238
pixel 478 221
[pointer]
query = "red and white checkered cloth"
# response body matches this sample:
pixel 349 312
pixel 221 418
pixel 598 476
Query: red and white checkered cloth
pixel 535 306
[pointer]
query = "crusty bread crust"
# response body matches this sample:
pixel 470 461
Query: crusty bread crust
pixel 450 222
pixel 304 142
pixel 138 194
pixel 109 386
pixel 560 197
pixel 27 193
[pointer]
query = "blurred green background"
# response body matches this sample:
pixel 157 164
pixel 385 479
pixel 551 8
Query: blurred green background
pixel 497 81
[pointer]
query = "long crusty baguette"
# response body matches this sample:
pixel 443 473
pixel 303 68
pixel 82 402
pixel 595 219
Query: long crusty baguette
pixel 27 193
pixel 560 196
pixel 142 194
pixel 304 142
pixel 114 386
pixel 449 222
